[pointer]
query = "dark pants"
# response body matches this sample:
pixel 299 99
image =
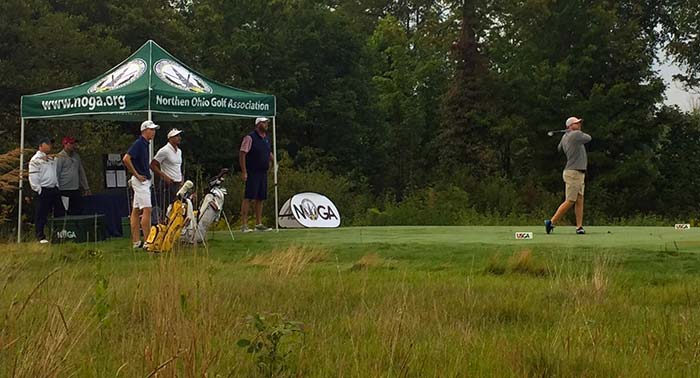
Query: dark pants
pixel 47 202
pixel 74 201
pixel 165 195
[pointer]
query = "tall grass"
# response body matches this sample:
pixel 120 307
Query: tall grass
pixel 289 261
pixel 549 313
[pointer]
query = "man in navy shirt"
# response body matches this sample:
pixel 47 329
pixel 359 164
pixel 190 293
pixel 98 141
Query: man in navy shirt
pixel 254 157
pixel 137 161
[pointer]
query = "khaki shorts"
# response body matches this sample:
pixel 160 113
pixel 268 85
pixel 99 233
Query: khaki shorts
pixel 574 184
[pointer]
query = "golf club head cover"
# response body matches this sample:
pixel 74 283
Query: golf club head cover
pixel 186 187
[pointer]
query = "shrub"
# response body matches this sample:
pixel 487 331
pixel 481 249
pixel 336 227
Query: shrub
pixel 272 344
pixel 9 175
pixel 428 206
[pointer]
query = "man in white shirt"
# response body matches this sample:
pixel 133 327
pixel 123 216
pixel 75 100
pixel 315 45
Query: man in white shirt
pixel 167 164
pixel 43 180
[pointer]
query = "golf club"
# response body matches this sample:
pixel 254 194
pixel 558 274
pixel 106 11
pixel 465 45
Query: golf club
pixel 552 132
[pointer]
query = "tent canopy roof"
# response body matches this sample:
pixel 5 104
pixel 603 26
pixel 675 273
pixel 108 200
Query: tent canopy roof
pixel 151 79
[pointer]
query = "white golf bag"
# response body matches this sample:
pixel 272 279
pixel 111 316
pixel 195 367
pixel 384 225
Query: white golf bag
pixel 196 227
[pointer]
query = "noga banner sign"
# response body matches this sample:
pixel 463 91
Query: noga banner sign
pixel 311 210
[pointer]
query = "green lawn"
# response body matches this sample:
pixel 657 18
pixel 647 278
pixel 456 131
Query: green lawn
pixel 374 302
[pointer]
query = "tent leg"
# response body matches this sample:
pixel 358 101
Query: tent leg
pixel 21 182
pixel 274 156
pixel 150 149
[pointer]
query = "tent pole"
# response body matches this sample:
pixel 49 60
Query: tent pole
pixel 150 114
pixel 274 156
pixel 21 182
pixel 150 147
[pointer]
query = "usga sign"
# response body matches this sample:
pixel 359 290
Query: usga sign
pixel 683 226
pixel 309 209
pixel 523 235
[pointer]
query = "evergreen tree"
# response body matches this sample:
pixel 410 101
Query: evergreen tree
pixel 464 140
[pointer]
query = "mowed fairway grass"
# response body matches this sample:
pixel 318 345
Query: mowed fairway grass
pixel 374 302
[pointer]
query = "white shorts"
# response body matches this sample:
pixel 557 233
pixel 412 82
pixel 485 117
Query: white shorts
pixel 142 193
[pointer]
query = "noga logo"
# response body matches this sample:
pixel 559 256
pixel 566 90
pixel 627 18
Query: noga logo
pixel 310 210
pixel 307 209
pixel 65 234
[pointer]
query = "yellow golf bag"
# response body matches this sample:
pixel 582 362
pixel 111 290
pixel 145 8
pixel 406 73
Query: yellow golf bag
pixel 162 237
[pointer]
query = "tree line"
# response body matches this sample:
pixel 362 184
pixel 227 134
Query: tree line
pixel 400 98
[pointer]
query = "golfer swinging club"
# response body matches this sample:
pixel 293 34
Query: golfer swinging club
pixel 574 173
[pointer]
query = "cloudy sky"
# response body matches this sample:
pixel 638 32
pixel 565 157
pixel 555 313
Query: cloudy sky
pixel 675 94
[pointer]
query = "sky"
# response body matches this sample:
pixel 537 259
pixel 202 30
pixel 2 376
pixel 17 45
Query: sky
pixel 675 94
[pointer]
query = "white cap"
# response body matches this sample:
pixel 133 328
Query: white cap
pixel 261 119
pixel 149 125
pixel 571 120
pixel 173 133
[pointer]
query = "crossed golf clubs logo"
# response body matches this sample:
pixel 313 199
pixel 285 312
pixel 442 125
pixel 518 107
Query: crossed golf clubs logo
pixel 175 75
pixel 120 77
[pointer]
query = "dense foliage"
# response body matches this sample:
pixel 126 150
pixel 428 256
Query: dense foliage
pixel 388 103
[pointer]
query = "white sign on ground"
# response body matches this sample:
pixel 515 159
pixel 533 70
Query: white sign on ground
pixel 312 210
pixel 523 235
pixel 683 226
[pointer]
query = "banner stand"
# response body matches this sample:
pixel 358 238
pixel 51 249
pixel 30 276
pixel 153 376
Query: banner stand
pixel 309 210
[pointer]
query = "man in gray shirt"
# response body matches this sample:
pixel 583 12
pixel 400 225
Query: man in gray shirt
pixel 572 144
pixel 71 176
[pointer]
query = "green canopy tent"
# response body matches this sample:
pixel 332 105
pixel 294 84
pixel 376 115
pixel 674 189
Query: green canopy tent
pixel 150 84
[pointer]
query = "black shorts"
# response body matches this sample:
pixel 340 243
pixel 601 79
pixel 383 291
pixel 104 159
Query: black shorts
pixel 256 186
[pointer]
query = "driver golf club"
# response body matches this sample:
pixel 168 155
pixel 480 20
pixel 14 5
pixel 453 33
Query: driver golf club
pixel 552 132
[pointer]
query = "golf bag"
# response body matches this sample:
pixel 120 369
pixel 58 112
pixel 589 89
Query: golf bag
pixel 162 237
pixel 209 211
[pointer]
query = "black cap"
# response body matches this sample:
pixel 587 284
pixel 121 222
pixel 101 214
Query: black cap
pixel 43 140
